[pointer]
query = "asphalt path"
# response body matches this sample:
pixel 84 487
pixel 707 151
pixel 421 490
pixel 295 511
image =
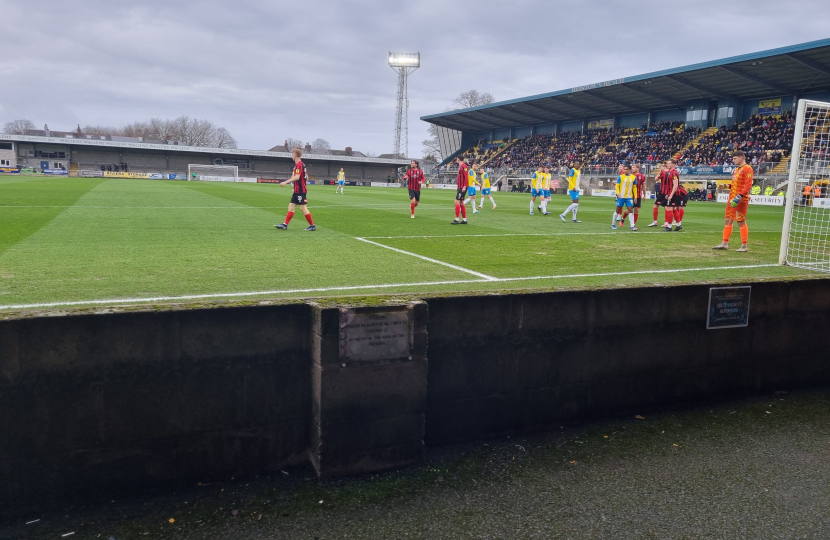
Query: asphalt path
pixel 755 469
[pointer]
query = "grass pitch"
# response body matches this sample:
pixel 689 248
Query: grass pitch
pixel 79 241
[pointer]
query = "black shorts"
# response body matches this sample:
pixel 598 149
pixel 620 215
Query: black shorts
pixel 638 202
pixel 299 198
pixel 660 199
pixel 460 194
pixel 679 200
pixel 415 194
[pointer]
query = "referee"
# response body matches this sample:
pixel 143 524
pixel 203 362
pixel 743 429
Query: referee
pixel 414 178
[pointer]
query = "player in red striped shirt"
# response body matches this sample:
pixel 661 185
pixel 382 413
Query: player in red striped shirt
pixel 414 178
pixel 461 192
pixel 300 196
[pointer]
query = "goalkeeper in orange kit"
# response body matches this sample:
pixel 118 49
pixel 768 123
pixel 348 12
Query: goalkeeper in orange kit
pixel 738 202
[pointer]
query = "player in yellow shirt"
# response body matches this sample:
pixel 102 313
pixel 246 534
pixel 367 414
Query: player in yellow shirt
pixel 471 188
pixel 485 189
pixel 573 191
pixel 626 193
pixel 545 188
pixel 341 181
pixel 536 181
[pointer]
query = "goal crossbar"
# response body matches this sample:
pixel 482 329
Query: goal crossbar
pixel 213 173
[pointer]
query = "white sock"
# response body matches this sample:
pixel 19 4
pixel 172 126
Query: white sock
pixel 466 200
pixel 492 200
pixel 544 206
pixel 614 219
pixel 531 206
pixel 576 207
pixel 631 219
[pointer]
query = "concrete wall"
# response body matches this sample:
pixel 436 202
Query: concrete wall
pixel 538 359
pixel 112 402
pixel 107 403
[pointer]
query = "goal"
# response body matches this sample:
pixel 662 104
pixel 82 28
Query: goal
pixel 213 173
pixel 805 240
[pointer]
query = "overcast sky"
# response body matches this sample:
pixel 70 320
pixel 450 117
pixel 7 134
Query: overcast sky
pixel 272 70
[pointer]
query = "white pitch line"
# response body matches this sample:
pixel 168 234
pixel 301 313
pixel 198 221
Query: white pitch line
pixel 358 287
pixel 232 295
pixel 636 272
pixel 534 234
pixel 436 261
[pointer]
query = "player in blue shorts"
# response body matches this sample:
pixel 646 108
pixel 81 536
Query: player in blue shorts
pixel 341 181
pixel 472 183
pixel 548 188
pixel 485 189
pixel 536 180
pixel 626 192
pixel 573 191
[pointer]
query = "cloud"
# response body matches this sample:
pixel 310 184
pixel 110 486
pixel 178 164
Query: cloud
pixel 271 70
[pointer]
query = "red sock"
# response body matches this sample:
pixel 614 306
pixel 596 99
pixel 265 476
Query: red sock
pixel 669 215
pixel 308 218
pixel 679 213
pixel 656 212
pixel 464 211
pixel 412 208
pixel 744 233
pixel 635 218
pixel 288 217
pixel 457 209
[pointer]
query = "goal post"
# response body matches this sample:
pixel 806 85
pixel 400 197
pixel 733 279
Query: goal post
pixel 213 173
pixel 805 238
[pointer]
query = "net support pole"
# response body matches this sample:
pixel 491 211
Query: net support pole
pixel 795 155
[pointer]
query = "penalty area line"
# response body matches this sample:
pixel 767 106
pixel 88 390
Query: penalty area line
pixel 357 288
pixel 436 261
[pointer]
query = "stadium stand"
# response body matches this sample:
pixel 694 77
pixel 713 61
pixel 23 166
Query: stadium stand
pixel 601 146
pixel 653 144
pixel 765 139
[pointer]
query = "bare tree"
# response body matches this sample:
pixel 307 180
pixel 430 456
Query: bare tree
pixel 320 144
pixel 431 146
pixel 101 130
pixel 222 138
pixel 464 100
pixel 189 131
pixel 18 126
pixel 473 98
pixel 291 144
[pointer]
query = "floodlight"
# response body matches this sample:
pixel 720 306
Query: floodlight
pixel 410 60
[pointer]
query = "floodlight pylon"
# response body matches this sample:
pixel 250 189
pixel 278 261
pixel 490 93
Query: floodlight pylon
pixel 403 64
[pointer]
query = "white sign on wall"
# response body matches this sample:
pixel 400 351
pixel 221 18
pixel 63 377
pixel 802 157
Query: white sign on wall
pixel 603 193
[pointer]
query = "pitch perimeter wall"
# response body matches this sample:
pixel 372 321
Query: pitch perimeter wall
pixel 114 402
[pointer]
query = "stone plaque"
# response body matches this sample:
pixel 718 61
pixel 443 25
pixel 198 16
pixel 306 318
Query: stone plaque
pixel 728 307
pixel 375 335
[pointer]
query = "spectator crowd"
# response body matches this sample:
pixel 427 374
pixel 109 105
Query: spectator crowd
pixel 764 139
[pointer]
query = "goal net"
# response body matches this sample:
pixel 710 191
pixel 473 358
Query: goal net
pixel 213 173
pixel 805 242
